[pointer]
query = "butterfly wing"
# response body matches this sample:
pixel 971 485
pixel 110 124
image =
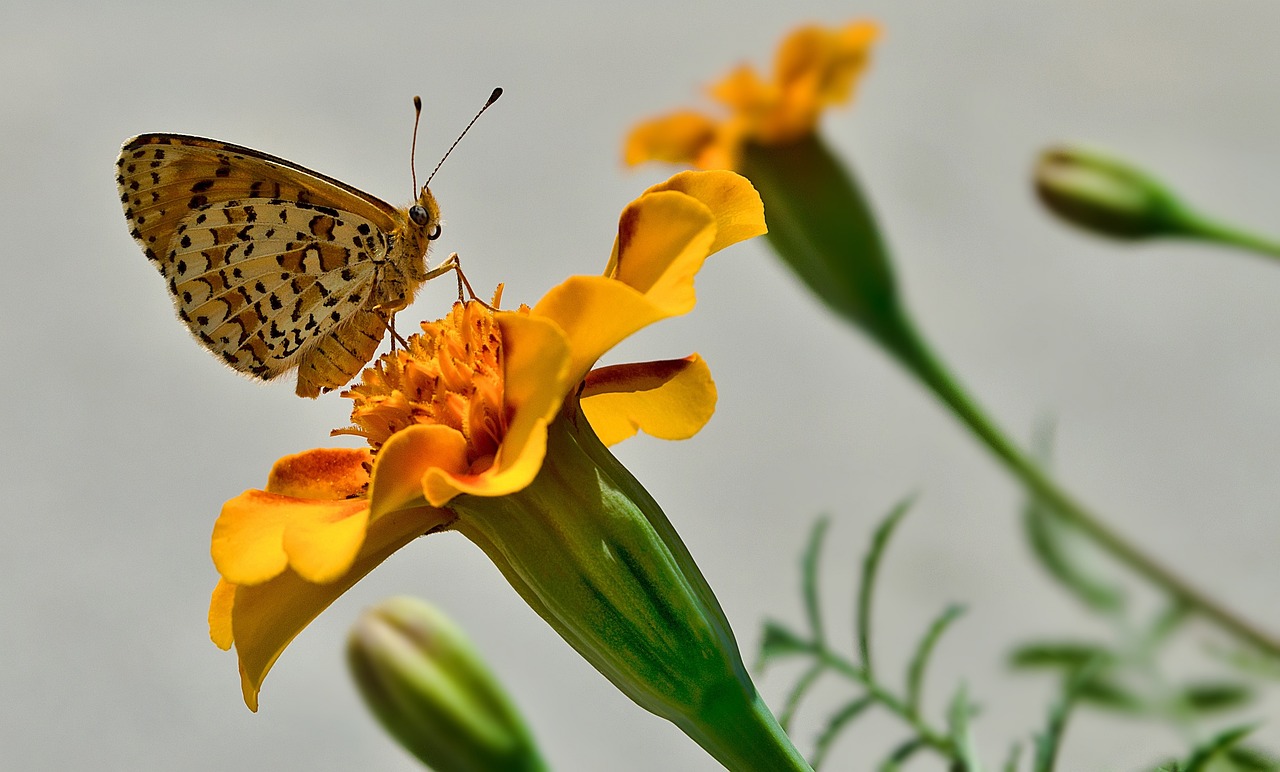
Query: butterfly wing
pixel 160 175
pixel 271 265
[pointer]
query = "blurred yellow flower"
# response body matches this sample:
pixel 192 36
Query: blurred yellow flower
pixel 465 410
pixel 816 67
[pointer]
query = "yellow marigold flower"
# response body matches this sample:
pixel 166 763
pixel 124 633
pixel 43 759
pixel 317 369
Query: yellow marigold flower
pixel 815 67
pixel 463 416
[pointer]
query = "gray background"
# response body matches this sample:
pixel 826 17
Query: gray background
pixel 122 438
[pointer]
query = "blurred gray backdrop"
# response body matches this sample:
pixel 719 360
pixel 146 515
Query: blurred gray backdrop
pixel 122 437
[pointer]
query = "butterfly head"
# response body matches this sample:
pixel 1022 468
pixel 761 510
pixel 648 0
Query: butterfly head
pixel 425 215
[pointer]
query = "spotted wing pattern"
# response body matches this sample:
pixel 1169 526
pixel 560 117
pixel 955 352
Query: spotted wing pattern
pixel 270 265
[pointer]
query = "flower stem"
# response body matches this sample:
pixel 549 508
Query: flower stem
pixel 1200 227
pixel 911 349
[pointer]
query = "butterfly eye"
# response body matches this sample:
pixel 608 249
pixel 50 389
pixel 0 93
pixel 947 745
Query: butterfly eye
pixel 435 233
pixel 419 216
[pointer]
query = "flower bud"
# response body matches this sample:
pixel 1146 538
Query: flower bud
pixel 592 553
pixel 1106 195
pixel 424 681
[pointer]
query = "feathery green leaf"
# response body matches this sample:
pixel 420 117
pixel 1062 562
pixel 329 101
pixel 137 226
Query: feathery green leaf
pixel 870 565
pixel 798 692
pixel 919 661
pixel 958 715
pixel 1067 655
pixel 1048 744
pixel 1015 755
pixel 1101 691
pixel 1207 751
pixel 1053 541
pixel 903 752
pixel 835 724
pixel 1213 696
pixel 779 642
pixel 1245 758
pixel 810 578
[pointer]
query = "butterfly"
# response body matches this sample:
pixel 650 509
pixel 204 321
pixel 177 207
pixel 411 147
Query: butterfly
pixel 273 266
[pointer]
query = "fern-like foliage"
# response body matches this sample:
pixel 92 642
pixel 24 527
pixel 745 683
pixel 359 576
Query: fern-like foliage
pixel 1126 673
pixel 952 742
pixel 1122 675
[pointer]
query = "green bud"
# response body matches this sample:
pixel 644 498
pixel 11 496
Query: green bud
pixel 421 677
pixel 1106 195
pixel 592 553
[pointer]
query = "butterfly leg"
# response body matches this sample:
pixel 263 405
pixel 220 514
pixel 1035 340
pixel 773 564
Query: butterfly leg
pixel 390 319
pixel 395 336
pixel 454 263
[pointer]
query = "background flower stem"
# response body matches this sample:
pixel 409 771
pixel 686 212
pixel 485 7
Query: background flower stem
pixel 1198 226
pixel 914 353
pixel 823 226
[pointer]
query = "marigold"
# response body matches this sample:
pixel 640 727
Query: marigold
pixel 465 411
pixel 815 68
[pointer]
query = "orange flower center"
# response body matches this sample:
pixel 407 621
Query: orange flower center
pixel 450 374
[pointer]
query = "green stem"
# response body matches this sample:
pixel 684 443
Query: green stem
pixel 1198 226
pixel 910 348
pixel 744 735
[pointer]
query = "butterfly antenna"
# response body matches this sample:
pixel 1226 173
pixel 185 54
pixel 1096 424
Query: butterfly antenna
pixel 413 146
pixel 497 92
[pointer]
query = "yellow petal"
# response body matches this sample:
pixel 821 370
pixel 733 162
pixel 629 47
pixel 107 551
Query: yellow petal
pixel 249 539
pixel 323 473
pixel 679 138
pixel 743 91
pixel 726 151
pixel 823 63
pixel 266 617
pixel 536 364
pixel 403 463
pixel 440 486
pixel 671 399
pixel 804 52
pixel 735 204
pixel 854 49
pixel 537 379
pixel 595 313
pixel 663 239
pixel 220 606
pixel 321 549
